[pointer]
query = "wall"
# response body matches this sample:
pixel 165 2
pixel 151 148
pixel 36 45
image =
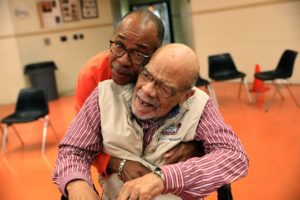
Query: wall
pixel 253 31
pixel 22 41
pixel 9 57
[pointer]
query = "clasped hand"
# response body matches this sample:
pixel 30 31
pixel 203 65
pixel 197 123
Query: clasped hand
pixel 144 188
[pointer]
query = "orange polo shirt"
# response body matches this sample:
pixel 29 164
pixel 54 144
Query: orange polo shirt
pixel 97 69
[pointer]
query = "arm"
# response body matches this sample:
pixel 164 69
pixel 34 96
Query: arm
pixel 81 143
pixel 225 159
pixel 133 169
pixel 224 162
pixel 183 151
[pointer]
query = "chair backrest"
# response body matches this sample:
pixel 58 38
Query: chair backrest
pixel 32 99
pixel 286 63
pixel 201 82
pixel 221 64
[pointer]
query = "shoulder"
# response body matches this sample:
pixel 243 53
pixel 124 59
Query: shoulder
pixel 199 95
pixel 98 63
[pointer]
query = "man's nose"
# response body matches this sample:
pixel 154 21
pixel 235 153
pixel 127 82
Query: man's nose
pixel 150 88
pixel 124 59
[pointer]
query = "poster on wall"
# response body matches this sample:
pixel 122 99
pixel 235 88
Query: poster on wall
pixel 70 10
pixel 49 13
pixel 89 9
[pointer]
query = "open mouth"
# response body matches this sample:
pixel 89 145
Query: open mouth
pixel 144 103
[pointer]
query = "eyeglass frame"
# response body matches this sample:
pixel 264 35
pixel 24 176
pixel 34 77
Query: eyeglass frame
pixel 129 53
pixel 167 91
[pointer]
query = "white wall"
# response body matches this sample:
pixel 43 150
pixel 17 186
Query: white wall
pixel 22 43
pixel 10 65
pixel 253 31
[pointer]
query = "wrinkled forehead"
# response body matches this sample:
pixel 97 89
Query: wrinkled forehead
pixel 137 34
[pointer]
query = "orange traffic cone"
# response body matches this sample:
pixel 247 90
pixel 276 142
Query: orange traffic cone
pixel 258 85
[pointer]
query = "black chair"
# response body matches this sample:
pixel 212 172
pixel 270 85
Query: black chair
pixel 222 68
pixel 31 105
pixel 280 75
pixel 208 87
pixel 224 192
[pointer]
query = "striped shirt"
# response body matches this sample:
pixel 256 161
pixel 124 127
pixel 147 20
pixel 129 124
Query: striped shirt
pixel 224 161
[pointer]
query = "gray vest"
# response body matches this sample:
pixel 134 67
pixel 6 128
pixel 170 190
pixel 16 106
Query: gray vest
pixel 123 137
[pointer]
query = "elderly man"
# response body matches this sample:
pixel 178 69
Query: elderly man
pixel 142 124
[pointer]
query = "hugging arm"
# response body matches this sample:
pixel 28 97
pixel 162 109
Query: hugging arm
pixel 81 143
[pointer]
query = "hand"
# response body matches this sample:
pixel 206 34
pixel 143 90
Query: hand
pixel 143 188
pixel 184 151
pixel 131 169
pixel 81 190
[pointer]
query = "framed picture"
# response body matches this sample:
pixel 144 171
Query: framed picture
pixel 89 9
pixel 70 10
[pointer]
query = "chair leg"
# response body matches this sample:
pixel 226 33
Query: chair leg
pixel 53 130
pixel 247 90
pixel 294 98
pixel 18 135
pixel 277 87
pixel 44 134
pixel 4 139
pixel 277 90
pixel 212 93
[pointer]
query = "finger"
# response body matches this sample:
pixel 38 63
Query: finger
pixel 134 195
pixel 124 194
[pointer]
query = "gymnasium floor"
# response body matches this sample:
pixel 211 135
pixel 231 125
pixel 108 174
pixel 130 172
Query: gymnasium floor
pixel 271 139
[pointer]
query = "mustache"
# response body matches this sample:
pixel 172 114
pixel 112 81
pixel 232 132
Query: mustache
pixel 120 69
pixel 147 99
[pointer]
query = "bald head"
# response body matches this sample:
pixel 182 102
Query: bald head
pixel 179 60
pixel 165 82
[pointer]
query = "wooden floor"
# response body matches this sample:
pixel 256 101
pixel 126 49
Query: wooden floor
pixel 271 139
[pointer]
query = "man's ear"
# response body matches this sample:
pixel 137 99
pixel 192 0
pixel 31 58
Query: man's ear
pixel 187 95
pixel 190 93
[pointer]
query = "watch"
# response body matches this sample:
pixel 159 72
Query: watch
pixel 157 171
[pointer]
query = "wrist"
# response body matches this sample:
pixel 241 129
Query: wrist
pixel 157 171
pixel 121 166
pixel 113 165
pixel 75 184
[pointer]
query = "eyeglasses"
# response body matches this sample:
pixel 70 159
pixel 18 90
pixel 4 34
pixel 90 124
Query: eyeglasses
pixel 161 88
pixel 135 57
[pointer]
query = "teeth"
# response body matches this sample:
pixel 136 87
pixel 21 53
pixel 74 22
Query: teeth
pixel 144 103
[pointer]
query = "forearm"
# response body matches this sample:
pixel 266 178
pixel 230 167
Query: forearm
pixel 225 159
pixel 200 176
pixel 81 143
pixel 72 163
